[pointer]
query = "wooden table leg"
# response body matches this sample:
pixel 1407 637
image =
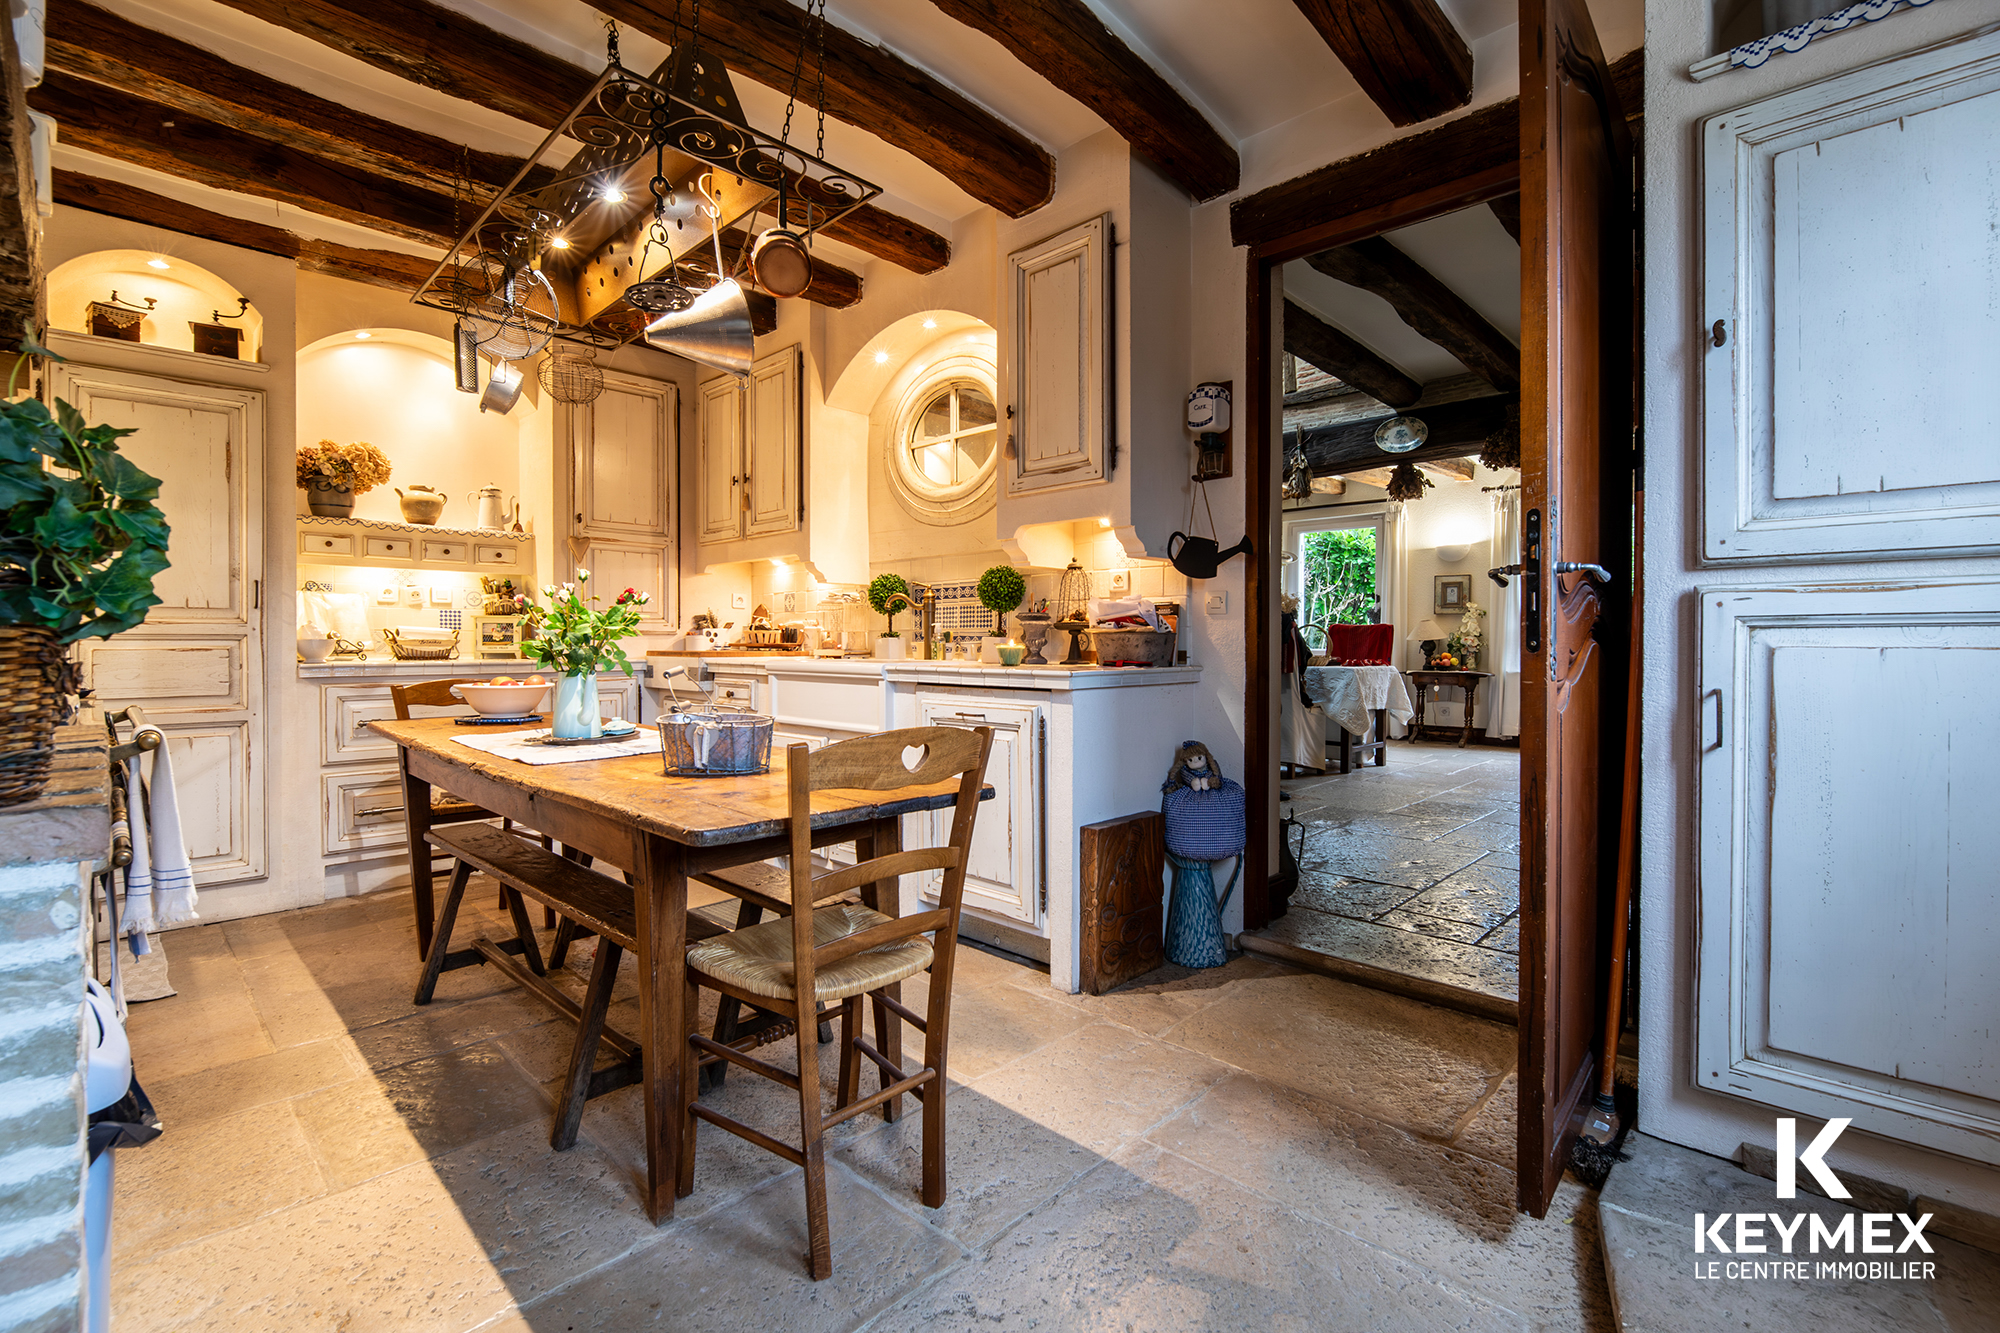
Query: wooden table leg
pixel 416 823
pixel 1381 738
pixel 885 896
pixel 1466 735
pixel 660 894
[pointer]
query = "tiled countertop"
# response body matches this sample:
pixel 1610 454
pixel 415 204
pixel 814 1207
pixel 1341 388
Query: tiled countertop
pixel 984 674
pixel 347 668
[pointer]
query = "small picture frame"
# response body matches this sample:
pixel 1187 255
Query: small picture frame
pixel 1450 593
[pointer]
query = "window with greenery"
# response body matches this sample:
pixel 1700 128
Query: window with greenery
pixel 1337 577
pixel 953 436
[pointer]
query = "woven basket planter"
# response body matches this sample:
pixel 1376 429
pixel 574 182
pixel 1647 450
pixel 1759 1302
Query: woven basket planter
pixel 32 705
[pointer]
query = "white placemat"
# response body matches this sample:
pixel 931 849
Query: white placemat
pixel 526 747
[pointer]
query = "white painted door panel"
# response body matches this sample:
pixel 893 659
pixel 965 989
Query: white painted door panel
pixel 1058 366
pixel 1850 924
pixel 1003 871
pixel 623 459
pixel 719 466
pixel 1853 308
pixel 196 665
pixel 773 454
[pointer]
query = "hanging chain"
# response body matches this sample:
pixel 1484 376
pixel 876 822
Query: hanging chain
pixel 819 95
pixel 610 41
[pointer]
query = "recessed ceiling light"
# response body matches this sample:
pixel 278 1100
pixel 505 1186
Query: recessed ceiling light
pixel 611 194
pixel 930 323
pixel 559 243
pixel 881 358
pixel 1103 522
pixel 363 334
pixel 157 262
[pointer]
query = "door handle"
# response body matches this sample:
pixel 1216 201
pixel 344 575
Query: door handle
pixel 1719 737
pixel 1499 574
pixel 1598 572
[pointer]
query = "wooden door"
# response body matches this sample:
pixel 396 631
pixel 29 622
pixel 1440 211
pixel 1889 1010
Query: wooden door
pixel 719 459
pixel 196 665
pixel 1058 372
pixel 773 449
pixel 1576 265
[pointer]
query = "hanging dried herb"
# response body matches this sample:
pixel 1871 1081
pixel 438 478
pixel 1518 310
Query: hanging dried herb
pixel 1503 447
pixel 1406 483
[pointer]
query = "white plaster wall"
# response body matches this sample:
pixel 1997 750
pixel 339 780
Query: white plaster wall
pixel 1670 1106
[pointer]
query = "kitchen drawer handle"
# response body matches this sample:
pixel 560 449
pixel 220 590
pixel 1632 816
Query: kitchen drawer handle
pixel 971 717
pixel 374 810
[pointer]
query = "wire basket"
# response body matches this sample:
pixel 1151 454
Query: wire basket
pixel 410 652
pixel 715 745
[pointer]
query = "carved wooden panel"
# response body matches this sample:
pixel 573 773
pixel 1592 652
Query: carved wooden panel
pixel 1124 899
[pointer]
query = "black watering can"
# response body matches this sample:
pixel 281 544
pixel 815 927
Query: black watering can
pixel 1201 557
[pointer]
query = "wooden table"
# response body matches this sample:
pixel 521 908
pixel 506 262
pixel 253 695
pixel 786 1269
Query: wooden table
pixel 629 815
pixel 1468 681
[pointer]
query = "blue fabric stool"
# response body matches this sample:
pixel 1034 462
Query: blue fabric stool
pixel 1203 827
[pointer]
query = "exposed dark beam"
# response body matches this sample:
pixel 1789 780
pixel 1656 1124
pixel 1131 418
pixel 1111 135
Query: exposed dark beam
pixel 433 46
pixel 1507 209
pixel 1310 338
pixel 1482 145
pixel 22 294
pixel 1067 44
pixel 1455 430
pixel 869 87
pixel 1405 54
pixel 130 129
pixel 1426 305
pixel 105 48
pixel 381 268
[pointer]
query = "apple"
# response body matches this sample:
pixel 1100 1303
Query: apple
pixel 501 680
pixel 534 680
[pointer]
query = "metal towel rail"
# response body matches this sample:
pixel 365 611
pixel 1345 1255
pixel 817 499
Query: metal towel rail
pixel 145 736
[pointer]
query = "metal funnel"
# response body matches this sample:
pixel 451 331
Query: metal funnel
pixel 714 331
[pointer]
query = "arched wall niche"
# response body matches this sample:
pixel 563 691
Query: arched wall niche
pixel 396 389
pixel 183 293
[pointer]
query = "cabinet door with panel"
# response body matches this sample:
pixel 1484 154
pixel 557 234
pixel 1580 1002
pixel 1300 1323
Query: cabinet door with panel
pixel 1003 876
pixel 1059 367
pixel 623 456
pixel 719 470
pixel 196 664
pixel 772 456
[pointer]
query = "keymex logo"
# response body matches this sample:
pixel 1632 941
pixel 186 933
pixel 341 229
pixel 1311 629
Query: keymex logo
pixel 1808 1233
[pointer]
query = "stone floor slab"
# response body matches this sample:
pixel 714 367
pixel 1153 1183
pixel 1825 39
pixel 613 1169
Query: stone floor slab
pixel 1466 967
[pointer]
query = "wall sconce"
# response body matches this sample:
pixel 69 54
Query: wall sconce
pixel 1452 554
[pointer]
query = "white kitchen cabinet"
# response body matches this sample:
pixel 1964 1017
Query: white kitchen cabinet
pixel 752 451
pixel 1004 873
pixel 1058 372
pixel 196 665
pixel 618 491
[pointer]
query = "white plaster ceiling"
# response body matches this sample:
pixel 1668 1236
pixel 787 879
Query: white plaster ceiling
pixel 1469 251
pixel 1253 66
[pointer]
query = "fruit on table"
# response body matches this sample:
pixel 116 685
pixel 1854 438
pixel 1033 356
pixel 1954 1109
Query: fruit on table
pixel 534 680
pixel 501 680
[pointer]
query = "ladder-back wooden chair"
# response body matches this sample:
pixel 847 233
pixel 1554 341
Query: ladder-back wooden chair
pixel 840 953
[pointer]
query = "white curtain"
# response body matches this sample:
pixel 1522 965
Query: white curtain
pixel 1503 624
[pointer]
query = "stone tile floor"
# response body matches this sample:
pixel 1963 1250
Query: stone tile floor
pixel 1413 867
pixel 1251 1147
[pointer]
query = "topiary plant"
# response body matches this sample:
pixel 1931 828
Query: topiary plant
pixel 80 536
pixel 888 594
pixel 1001 589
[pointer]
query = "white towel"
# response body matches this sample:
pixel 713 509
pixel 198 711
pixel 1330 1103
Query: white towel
pixel 159 884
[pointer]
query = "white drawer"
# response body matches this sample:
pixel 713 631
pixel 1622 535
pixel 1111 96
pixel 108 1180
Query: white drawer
pixel 736 692
pixel 492 555
pixel 399 548
pixel 363 812
pixel 320 543
pixel 447 552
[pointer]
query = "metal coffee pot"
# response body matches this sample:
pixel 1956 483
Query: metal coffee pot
pixel 492 508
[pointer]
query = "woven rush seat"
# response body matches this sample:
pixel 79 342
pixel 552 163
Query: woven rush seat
pixel 759 960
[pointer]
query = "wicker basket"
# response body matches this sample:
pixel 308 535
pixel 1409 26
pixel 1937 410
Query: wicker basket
pixel 410 652
pixel 32 706
pixel 1153 647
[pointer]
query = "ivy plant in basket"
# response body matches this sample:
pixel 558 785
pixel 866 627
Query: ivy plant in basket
pixel 80 543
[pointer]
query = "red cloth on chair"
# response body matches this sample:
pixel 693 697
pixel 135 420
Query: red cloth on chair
pixel 1360 645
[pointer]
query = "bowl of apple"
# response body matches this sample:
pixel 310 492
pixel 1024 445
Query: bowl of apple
pixel 504 696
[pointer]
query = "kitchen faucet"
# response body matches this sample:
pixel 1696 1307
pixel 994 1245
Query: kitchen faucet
pixel 926 613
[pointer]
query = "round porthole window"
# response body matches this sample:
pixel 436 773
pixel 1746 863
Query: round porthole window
pixel 946 449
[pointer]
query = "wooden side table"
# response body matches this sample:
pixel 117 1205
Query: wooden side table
pixel 1467 681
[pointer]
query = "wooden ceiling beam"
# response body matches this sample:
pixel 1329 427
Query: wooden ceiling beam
pixel 1070 46
pixel 131 129
pixel 1405 54
pixel 1507 211
pixel 106 48
pixel 868 86
pixel 1456 429
pixel 1477 155
pixel 1426 305
pixel 1310 338
pixel 450 53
